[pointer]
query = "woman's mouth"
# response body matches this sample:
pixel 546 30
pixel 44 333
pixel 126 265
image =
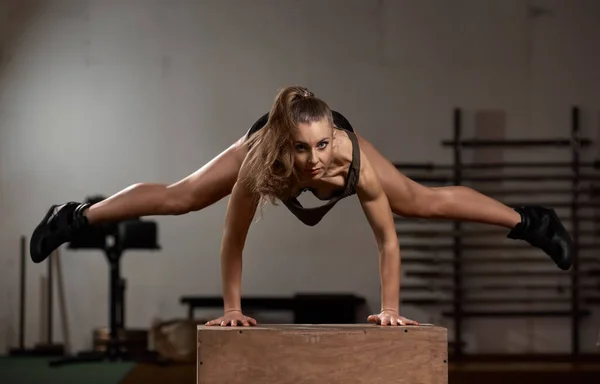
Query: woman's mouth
pixel 313 171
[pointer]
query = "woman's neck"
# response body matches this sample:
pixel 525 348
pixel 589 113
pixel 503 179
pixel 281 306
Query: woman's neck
pixel 335 174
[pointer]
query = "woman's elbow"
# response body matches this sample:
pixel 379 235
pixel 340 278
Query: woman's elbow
pixel 389 244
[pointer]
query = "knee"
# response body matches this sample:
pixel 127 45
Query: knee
pixel 439 200
pixel 428 203
pixel 443 200
pixel 178 201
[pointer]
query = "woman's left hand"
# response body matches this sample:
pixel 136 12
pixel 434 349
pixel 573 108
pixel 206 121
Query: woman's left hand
pixel 390 317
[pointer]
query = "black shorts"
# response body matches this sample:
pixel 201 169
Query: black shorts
pixel 338 120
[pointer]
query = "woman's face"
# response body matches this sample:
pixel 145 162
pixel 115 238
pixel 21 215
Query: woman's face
pixel 312 148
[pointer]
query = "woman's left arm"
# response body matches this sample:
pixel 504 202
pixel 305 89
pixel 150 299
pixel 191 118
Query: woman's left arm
pixel 377 210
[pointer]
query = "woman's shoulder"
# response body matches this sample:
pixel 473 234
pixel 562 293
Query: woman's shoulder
pixel 344 147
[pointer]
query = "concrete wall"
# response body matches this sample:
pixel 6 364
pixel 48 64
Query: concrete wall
pixel 97 95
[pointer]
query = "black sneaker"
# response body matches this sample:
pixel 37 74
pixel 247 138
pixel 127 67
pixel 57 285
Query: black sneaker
pixel 59 226
pixel 542 228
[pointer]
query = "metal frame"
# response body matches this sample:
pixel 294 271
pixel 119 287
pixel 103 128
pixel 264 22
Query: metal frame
pixel 577 185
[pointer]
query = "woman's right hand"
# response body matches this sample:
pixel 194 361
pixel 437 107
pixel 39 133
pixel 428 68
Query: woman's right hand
pixel 232 318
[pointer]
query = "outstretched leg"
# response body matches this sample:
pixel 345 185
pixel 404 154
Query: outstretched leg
pixel 410 199
pixel 537 225
pixel 204 187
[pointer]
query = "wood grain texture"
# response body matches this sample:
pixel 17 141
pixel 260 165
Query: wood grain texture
pixel 318 354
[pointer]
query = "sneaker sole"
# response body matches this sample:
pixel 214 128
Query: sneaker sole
pixel 37 238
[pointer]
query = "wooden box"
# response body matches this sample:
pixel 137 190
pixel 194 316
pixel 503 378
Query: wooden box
pixel 322 354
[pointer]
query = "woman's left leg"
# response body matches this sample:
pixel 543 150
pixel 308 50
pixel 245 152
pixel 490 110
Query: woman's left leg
pixel 410 199
pixel 538 226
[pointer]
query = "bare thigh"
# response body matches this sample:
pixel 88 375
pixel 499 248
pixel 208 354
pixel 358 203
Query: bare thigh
pixel 403 193
pixel 214 180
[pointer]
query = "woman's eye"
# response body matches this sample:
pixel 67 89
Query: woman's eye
pixel 323 145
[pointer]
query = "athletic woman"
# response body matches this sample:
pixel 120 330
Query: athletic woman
pixel 302 145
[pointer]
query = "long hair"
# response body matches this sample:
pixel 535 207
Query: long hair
pixel 269 164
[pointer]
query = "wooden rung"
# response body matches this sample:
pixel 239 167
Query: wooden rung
pixel 344 354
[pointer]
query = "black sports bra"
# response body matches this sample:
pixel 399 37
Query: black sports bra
pixel 312 216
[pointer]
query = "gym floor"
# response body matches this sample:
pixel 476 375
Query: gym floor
pixel 30 370
pixel 26 370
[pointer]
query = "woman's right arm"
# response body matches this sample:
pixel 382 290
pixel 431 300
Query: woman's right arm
pixel 240 213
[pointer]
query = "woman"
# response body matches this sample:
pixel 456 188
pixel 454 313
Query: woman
pixel 301 145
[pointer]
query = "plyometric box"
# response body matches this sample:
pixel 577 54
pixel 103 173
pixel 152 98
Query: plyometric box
pixel 322 354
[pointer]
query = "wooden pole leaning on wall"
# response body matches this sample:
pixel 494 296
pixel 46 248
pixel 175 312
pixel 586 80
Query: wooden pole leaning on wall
pixel 47 347
pixel 333 354
pixel 20 349
pixel 62 302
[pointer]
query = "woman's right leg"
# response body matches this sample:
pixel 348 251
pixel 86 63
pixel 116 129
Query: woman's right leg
pixel 204 187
